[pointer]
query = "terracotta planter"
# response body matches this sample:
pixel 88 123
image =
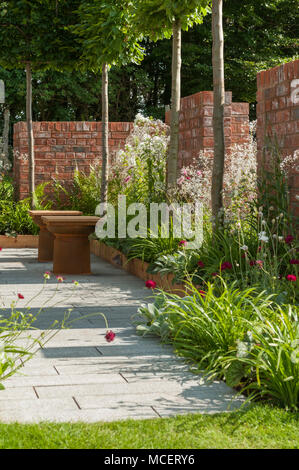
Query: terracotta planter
pixel 136 266
pixel 71 243
pixel 20 241
pixel 46 238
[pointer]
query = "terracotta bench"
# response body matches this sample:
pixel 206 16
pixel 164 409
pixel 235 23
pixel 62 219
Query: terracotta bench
pixel 46 238
pixel 71 243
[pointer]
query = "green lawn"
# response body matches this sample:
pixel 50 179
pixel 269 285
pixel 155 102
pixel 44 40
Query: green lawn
pixel 257 427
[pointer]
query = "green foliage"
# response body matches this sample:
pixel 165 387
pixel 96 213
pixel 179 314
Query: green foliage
pixel 36 32
pixel 258 35
pixel 267 365
pixel 83 194
pixel 182 264
pixel 153 320
pixel 273 187
pixel 14 215
pixel 148 249
pixel 256 427
pixel 242 336
pixel 139 170
pixel 107 34
pixel 15 219
pixel 256 247
pixel 6 188
pixel 154 18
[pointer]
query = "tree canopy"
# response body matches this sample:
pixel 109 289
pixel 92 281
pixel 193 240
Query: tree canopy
pixel 36 32
pixel 156 17
pixel 106 33
pixel 259 34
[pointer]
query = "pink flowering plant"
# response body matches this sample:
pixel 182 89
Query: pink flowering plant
pixel 240 178
pixel 256 246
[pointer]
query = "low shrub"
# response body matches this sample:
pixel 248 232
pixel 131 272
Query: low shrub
pixel 15 219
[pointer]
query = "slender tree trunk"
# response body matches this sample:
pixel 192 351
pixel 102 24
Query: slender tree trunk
pixel 218 115
pixel 5 135
pixel 105 132
pixel 172 160
pixel 30 133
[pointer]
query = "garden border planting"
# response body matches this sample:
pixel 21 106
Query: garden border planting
pixel 136 266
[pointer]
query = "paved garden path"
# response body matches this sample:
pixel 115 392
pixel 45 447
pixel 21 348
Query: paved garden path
pixel 78 376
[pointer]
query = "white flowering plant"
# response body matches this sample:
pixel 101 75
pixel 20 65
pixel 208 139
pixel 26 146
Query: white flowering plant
pixel 138 171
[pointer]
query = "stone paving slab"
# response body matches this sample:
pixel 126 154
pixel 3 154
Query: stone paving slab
pixel 58 380
pixel 77 375
pixel 36 406
pixel 71 416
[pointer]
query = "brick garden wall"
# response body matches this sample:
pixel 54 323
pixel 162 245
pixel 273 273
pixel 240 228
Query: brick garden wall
pixel 196 125
pixel 60 148
pixel 278 117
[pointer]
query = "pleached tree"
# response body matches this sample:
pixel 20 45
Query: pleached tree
pixel 158 19
pixel 218 113
pixel 108 38
pixel 34 37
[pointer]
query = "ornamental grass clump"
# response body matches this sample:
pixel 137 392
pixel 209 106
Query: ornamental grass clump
pixel 205 325
pixel 265 363
pixel 241 336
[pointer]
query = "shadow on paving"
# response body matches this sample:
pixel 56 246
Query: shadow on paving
pixel 25 269
pixel 83 317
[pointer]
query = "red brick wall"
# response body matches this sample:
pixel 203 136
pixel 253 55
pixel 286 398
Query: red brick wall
pixel 60 147
pixel 278 115
pixel 196 125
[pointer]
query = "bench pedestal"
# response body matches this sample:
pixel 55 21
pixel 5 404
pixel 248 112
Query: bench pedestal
pixel 71 254
pixel 71 243
pixel 46 238
pixel 45 245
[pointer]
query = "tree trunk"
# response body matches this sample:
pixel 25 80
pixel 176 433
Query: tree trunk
pixel 172 160
pixel 30 133
pixel 105 131
pixel 5 135
pixel 218 114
